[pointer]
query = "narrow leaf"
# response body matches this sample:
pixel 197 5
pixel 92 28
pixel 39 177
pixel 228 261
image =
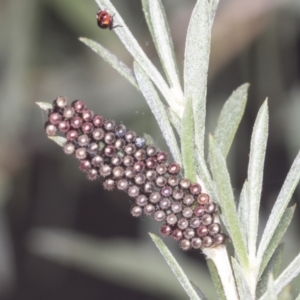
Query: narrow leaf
pixel 136 51
pixel 280 205
pixel 278 234
pixel 230 118
pixel 112 260
pixel 242 286
pixel 243 211
pixel 226 201
pixel 271 292
pixel 112 60
pixel 160 32
pixel 286 276
pixel 216 279
pixel 255 175
pixel 196 60
pixel 158 110
pixel 187 142
pixel 178 272
pixel 273 267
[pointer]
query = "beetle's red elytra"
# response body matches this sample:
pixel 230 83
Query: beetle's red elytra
pixel 105 20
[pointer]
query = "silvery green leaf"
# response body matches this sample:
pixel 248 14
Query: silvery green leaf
pixel 175 120
pixel 280 205
pixel 226 201
pixel 178 272
pixel 59 140
pixel 271 292
pixel 158 110
pixel 298 297
pixel 216 279
pixel 255 174
pixel 286 276
pixel 196 58
pixel 273 267
pixel 112 60
pixel 243 211
pixel 136 51
pixel 276 238
pixel 160 32
pixel 241 281
pixel 44 105
pixel 230 118
pixel 187 142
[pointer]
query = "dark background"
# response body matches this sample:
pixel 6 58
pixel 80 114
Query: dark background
pixel 63 237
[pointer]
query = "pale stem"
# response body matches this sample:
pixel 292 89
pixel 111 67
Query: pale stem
pixel 220 258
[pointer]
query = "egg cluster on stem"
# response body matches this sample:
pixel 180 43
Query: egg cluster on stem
pixel 128 163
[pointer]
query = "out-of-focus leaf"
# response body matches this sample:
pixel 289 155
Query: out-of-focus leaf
pixel 113 259
pixel 112 60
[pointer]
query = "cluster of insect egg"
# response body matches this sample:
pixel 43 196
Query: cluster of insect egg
pixel 127 163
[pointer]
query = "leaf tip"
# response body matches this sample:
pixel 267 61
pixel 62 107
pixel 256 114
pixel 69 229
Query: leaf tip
pixel 44 105
pixel 60 141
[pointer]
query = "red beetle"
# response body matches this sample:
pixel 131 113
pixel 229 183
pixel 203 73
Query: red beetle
pixel 105 20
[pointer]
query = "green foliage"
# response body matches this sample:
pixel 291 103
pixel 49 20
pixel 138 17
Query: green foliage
pixel 253 271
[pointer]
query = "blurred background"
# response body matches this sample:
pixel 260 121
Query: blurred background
pixel 64 237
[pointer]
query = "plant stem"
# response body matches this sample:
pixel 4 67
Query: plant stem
pixel 220 258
